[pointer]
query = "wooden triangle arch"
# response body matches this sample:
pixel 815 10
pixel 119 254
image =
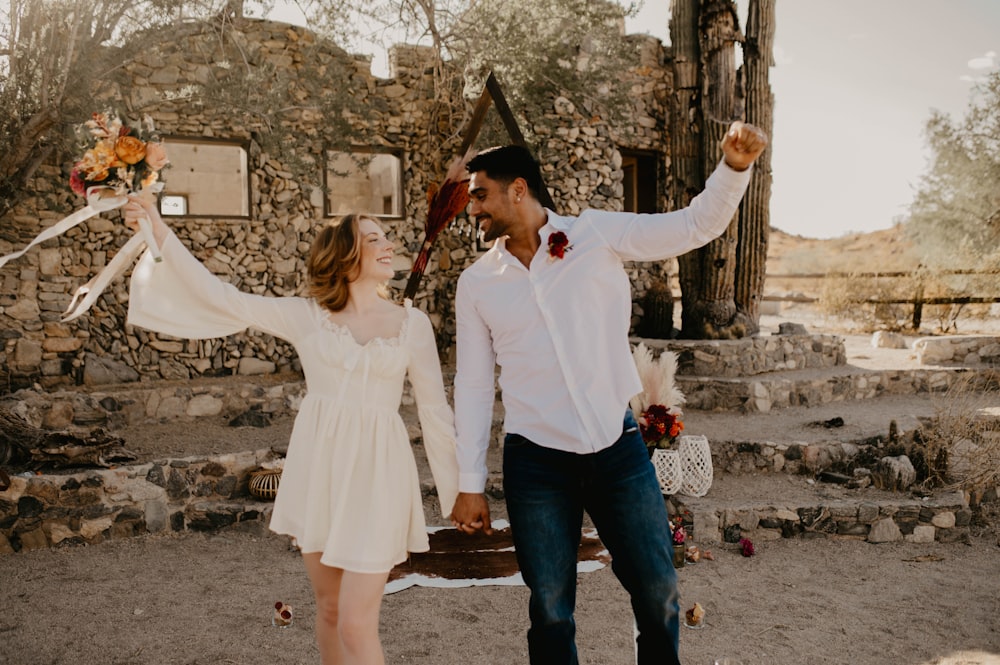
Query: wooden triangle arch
pixel 493 93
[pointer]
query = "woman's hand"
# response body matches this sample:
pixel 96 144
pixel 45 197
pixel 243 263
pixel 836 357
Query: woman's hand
pixel 144 206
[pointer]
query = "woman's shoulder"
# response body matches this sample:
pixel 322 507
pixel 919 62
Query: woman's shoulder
pixel 416 317
pixel 411 310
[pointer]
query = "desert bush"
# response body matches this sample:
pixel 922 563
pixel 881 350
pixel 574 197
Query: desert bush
pixel 851 297
pixel 960 449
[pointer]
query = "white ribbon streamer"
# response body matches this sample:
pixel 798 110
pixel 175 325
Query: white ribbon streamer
pixel 97 202
pixel 99 199
pixel 87 294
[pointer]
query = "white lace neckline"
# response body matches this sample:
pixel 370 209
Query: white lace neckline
pixel 345 332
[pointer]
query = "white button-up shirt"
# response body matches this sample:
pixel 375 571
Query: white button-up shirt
pixel 559 330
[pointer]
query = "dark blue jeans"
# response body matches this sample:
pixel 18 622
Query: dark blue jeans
pixel 547 491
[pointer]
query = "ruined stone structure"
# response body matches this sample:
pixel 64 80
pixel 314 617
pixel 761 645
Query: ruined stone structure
pixel 263 252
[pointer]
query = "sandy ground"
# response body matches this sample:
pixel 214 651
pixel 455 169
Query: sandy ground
pixel 207 599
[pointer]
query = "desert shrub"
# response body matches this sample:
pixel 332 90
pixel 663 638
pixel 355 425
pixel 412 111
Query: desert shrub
pixel 960 449
pixel 851 297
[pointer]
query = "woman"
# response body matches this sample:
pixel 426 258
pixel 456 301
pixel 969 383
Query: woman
pixel 349 492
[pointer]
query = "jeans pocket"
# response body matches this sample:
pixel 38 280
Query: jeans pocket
pixel 629 424
pixel 515 441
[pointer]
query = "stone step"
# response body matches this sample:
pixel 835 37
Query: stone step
pixel 89 506
pixel 769 507
pixel 812 387
pixel 215 515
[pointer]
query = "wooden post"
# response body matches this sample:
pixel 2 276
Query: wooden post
pixel 918 306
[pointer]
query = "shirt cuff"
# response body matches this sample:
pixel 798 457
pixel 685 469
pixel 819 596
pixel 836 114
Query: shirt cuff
pixel 730 179
pixel 745 172
pixel 471 483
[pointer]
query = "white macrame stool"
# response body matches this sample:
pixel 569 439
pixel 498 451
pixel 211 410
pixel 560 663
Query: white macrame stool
pixel 696 465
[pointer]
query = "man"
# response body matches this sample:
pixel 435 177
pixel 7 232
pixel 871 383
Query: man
pixel 550 304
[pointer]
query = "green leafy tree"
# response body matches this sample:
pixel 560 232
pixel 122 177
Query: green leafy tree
pixel 51 52
pixel 955 217
pixel 538 49
pixel 541 49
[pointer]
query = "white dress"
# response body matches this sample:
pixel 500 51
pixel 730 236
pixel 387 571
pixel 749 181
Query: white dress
pixel 349 488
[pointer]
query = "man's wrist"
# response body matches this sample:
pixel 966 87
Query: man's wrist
pixel 736 168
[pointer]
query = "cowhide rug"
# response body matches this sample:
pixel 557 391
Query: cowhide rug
pixel 459 560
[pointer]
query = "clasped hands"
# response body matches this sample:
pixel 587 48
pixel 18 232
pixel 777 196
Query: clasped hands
pixel 471 514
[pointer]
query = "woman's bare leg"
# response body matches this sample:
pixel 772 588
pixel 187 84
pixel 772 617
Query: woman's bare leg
pixel 347 613
pixel 326 582
pixel 360 603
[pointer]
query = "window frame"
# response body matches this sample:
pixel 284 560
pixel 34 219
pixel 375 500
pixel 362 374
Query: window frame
pixel 203 140
pixel 393 151
pixel 647 169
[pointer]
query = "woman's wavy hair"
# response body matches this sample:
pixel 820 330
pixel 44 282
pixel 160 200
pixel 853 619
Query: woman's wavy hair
pixel 335 261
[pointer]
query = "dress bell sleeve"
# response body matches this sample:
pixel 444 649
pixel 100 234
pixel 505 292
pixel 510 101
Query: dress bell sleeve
pixel 437 420
pixel 180 297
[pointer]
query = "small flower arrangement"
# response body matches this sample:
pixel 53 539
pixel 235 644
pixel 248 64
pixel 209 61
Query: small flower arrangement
pixel 558 245
pixel 677 532
pixel 658 405
pixel 125 158
pixel 663 426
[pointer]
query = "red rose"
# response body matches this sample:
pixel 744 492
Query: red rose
pixel 746 547
pixel 558 245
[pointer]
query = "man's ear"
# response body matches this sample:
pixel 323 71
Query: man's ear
pixel 520 188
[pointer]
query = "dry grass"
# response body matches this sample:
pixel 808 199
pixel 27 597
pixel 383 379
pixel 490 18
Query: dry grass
pixel 962 447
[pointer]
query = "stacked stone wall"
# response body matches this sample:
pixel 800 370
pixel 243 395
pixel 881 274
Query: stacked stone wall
pixel 264 253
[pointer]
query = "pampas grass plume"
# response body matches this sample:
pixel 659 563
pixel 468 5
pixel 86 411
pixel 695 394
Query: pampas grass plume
pixel 657 378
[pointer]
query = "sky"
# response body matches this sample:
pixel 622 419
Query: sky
pixel 855 82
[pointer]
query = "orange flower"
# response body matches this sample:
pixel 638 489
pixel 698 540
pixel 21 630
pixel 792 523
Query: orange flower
pixel 130 149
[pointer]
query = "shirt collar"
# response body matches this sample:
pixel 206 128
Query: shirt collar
pixel 553 223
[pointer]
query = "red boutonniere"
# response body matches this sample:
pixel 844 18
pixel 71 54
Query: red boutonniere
pixel 558 245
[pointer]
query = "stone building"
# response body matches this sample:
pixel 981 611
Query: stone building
pixel 246 216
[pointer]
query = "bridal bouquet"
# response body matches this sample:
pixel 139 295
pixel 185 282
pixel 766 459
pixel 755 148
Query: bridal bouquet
pixel 657 407
pixel 118 160
pixel 123 158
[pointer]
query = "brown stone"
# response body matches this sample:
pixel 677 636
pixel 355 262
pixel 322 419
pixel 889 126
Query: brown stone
pixel 33 540
pixel 62 344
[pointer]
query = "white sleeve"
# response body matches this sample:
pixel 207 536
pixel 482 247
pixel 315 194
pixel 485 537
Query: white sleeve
pixel 658 236
pixel 180 297
pixel 475 391
pixel 437 421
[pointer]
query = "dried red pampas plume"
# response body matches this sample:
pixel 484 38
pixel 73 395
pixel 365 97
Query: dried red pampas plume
pixel 444 202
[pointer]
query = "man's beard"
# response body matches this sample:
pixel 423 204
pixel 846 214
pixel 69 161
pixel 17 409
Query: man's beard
pixel 494 231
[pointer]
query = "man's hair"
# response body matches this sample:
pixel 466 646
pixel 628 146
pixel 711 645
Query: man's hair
pixel 507 163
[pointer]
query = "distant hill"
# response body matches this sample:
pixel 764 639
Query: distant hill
pixel 884 250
